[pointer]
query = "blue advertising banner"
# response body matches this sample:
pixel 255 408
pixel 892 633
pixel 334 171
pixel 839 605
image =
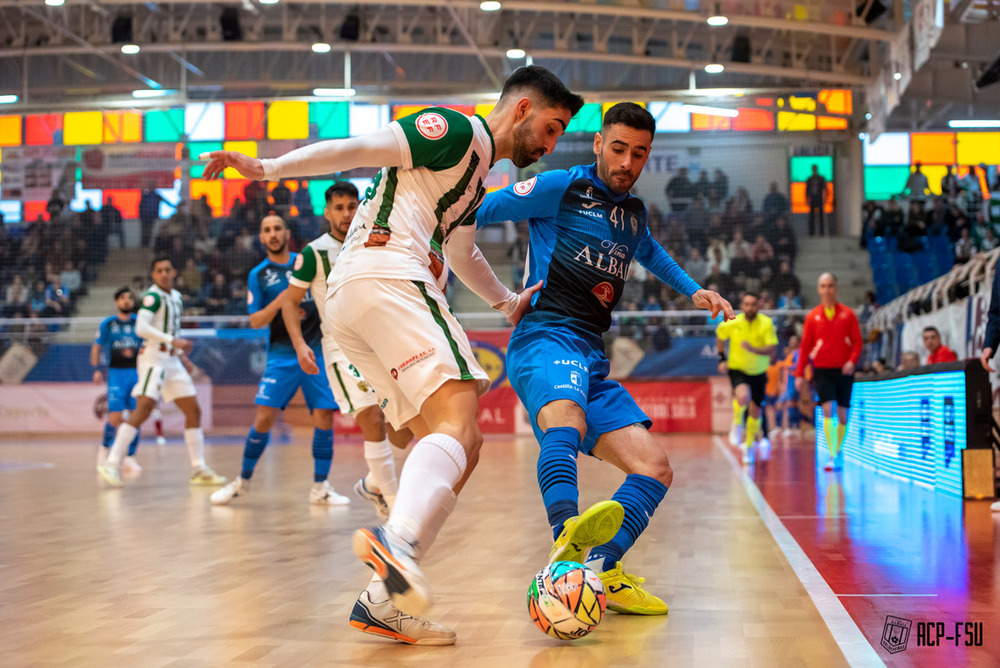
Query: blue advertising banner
pixel 690 356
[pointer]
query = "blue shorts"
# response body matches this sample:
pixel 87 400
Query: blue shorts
pixel 120 384
pixel 283 376
pixel 547 362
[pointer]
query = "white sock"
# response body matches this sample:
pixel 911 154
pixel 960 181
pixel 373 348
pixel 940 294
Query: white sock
pixel 432 527
pixel 382 469
pixel 119 447
pixel 434 467
pixel 195 441
pixel 377 591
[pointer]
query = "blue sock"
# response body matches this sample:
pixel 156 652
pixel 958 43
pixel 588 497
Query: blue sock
pixel 322 453
pixel 134 445
pixel 254 448
pixel 109 435
pixel 557 475
pixel 639 495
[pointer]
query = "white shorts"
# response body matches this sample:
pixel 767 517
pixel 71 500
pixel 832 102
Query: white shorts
pixel 404 340
pixel 163 377
pixel 350 389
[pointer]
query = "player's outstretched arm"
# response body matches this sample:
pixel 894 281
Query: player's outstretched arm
pixel 471 267
pixel 293 324
pixel 377 149
pixel 714 302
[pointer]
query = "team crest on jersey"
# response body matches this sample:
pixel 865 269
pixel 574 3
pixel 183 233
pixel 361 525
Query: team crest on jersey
pixel 148 300
pixel 524 187
pixel 604 292
pixel 432 125
pixel 298 262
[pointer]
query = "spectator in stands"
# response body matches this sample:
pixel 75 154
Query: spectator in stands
pixel 716 253
pixel 217 296
pixel 720 188
pixel 697 266
pixel 989 241
pixel 965 247
pixel 914 232
pixel 916 184
pixel 766 301
pixel 868 308
pixel 188 296
pixel 191 274
pixel 937 218
pixel 696 223
pixel 761 252
pixel 742 268
pixel 200 210
pixel 892 221
pixel 971 198
pixel 71 279
pixel 704 187
pixel 237 304
pixel 937 351
pixel 716 229
pixel 909 360
pixel 721 280
pixel 782 238
pixel 56 298
pixel 738 244
pixel 789 300
pixel 281 197
pixel 680 191
pixel 675 238
pixel 871 221
pixel 743 203
pixel 775 203
pixel 786 280
pixel 111 219
pixel 881 366
pixel 17 295
pixel 149 212
pixel 949 185
pixel 816 199
pixel 255 199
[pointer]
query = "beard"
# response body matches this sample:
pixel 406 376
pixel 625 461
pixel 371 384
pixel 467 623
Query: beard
pixel 523 153
pixel 281 244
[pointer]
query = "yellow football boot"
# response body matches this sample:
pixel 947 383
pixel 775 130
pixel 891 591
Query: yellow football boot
pixel 594 526
pixel 626 595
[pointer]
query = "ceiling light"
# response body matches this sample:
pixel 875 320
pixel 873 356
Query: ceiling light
pixel 268 2
pixel 152 92
pixel 974 124
pixel 862 136
pixel 130 49
pixel 717 20
pixel 489 6
pixel 897 76
pixel 515 53
pixel 868 116
pixel 715 68
pixel 334 92
pixel 54 3
pixel 8 99
pixel 321 47
pixel 710 111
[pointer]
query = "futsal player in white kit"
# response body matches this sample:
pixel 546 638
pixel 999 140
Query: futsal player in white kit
pixel 390 317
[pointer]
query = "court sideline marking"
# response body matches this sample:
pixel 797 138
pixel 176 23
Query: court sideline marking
pixel 852 642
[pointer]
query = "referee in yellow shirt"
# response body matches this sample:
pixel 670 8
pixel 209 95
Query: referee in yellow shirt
pixel 752 340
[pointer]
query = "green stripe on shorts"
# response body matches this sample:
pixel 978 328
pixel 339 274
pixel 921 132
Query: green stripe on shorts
pixel 340 380
pixel 463 366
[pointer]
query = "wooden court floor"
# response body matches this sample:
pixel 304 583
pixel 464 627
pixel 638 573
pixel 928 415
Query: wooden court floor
pixel 153 575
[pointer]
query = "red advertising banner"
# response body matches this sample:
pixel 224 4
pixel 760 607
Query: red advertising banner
pixel 674 407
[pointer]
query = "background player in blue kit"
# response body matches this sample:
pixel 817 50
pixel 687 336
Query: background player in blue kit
pixel 118 343
pixel 266 287
pixel 585 229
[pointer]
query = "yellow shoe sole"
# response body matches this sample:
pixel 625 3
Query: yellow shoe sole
pixel 594 526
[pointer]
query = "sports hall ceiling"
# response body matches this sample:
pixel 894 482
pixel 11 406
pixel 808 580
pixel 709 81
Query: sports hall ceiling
pixel 450 49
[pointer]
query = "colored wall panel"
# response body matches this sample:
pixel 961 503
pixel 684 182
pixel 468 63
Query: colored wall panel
pixel 127 201
pixel 800 167
pixel 799 204
pixel 978 147
pixel 83 128
pixel 608 105
pixel 248 148
pixel 317 193
pixel 934 173
pixel 288 119
pixel 828 123
pixel 707 122
pixel 588 119
pixel 34 209
pixel 81 197
pixel 244 120
pixel 365 118
pixel 212 189
pixel 332 119
pixel 670 116
pixel 802 103
pixel 793 122
pixel 891 148
pixel 163 125
pixel 197 148
pixel 484 109
pixel 837 101
pixel 11 211
pixel 122 127
pixel 43 130
pixel 884 181
pixel 933 148
pixel 759 120
pixel 10 131
pixel 205 121
pixel 231 191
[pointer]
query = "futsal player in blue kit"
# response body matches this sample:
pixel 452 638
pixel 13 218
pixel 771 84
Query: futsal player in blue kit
pixel 585 230
pixel 266 287
pixel 118 343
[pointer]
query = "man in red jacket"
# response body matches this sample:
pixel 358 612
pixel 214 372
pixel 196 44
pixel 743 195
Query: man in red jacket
pixel 831 341
pixel 937 351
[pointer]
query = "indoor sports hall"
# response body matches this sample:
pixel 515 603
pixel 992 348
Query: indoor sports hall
pixel 811 161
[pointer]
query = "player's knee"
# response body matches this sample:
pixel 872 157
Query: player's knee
pixel 263 421
pixel 115 419
pixel 323 418
pixel 193 416
pixel 372 423
pixel 660 469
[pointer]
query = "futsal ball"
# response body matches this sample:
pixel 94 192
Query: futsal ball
pixel 566 600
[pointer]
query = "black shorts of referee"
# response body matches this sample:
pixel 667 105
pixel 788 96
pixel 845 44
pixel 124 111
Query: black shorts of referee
pixel 833 385
pixel 757 383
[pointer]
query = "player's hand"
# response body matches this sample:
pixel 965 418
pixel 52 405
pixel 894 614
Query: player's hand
pixel 524 303
pixel 98 376
pixel 307 359
pixel 800 386
pixel 723 368
pixel 713 301
pixel 250 168
pixel 985 358
pixel 848 368
pixel 187 364
pixel 183 345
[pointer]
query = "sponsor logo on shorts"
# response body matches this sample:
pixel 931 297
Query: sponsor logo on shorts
pixel 604 292
pixel 364 386
pixel 524 187
pixel 382 404
pixel 432 125
pixel 394 373
pixel 414 360
pixel 574 378
pixel 577 363
pixel 568 386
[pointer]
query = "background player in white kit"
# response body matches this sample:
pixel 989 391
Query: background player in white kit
pixel 161 373
pixel 353 394
pixel 391 318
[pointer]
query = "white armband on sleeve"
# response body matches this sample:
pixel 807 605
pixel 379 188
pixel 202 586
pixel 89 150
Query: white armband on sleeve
pixel 375 149
pixel 144 328
pixel 471 267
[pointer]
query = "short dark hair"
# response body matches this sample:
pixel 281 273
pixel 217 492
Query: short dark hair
pixel 931 328
pixel 121 291
pixel 549 88
pixel 344 188
pixel 157 259
pixel 750 293
pixel 631 115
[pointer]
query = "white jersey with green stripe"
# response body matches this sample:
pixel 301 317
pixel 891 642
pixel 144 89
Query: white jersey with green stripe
pixel 166 308
pixel 408 212
pixel 312 267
